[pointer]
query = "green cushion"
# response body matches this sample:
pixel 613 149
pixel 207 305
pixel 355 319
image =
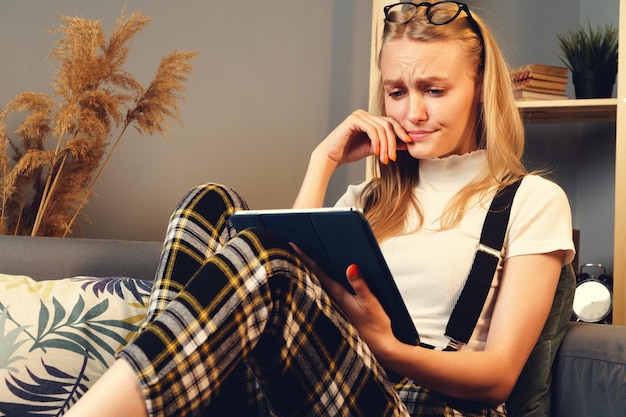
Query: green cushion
pixel 531 395
pixel 57 337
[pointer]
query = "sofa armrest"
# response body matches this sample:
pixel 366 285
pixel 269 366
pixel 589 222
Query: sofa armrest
pixel 590 372
pixel 53 258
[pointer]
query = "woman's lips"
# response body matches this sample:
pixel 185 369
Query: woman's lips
pixel 419 135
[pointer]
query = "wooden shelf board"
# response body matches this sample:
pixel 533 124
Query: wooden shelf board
pixel 538 111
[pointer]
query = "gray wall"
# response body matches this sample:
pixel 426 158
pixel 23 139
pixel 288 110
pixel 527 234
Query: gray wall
pixel 272 79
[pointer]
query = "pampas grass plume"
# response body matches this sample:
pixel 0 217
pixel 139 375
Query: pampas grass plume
pixel 44 186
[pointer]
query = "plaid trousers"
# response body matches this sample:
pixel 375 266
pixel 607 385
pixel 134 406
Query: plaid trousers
pixel 238 326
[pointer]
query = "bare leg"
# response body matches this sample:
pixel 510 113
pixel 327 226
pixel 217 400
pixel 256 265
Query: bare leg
pixel 116 394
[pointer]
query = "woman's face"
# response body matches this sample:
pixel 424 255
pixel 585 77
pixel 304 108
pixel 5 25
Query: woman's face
pixel 431 90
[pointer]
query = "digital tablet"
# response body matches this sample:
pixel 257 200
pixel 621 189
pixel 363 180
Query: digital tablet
pixel 336 238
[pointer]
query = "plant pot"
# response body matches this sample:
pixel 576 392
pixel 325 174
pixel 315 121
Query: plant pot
pixel 593 84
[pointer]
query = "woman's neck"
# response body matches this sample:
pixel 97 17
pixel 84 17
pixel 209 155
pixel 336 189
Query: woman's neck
pixel 452 172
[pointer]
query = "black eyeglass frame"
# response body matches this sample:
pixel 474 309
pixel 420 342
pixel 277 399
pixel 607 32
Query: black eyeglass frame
pixel 429 6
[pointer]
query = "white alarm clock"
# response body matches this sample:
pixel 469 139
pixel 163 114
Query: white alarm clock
pixel 593 299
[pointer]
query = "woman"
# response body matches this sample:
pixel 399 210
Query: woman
pixel 242 313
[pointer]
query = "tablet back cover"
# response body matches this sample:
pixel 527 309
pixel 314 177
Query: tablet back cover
pixel 336 238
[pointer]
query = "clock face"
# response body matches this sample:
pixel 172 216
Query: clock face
pixel 592 301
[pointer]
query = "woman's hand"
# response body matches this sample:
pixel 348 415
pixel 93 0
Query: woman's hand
pixel 363 134
pixel 362 308
pixel 360 135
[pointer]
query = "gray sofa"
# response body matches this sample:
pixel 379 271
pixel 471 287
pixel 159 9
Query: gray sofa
pixel 589 374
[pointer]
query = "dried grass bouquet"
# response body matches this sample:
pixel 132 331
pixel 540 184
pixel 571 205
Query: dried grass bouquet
pixel 43 188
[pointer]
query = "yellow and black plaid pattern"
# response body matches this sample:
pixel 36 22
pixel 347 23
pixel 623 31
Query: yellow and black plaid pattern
pixel 237 323
pixel 423 402
pixel 253 301
pixel 197 228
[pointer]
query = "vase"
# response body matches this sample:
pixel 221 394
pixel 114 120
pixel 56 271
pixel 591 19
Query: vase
pixel 593 84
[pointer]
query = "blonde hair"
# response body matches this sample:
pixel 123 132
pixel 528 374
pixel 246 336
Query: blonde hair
pixel 388 198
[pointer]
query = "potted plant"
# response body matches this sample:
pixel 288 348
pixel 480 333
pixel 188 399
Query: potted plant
pixel 591 55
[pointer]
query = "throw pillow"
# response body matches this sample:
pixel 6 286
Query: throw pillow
pixel 58 337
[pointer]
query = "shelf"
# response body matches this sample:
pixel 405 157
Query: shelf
pixel 550 111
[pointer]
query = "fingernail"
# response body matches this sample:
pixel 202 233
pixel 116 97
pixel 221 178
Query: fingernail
pixel 352 270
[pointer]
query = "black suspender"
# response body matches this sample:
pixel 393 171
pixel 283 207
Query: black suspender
pixel 472 299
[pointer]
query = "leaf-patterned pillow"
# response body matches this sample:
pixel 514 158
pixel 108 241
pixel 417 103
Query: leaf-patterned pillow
pixel 57 337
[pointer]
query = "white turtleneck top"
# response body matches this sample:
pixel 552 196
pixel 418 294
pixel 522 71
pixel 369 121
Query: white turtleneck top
pixel 431 266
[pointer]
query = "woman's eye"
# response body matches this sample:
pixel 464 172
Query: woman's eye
pixel 395 93
pixel 435 91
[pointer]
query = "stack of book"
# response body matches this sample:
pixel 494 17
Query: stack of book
pixel 539 82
